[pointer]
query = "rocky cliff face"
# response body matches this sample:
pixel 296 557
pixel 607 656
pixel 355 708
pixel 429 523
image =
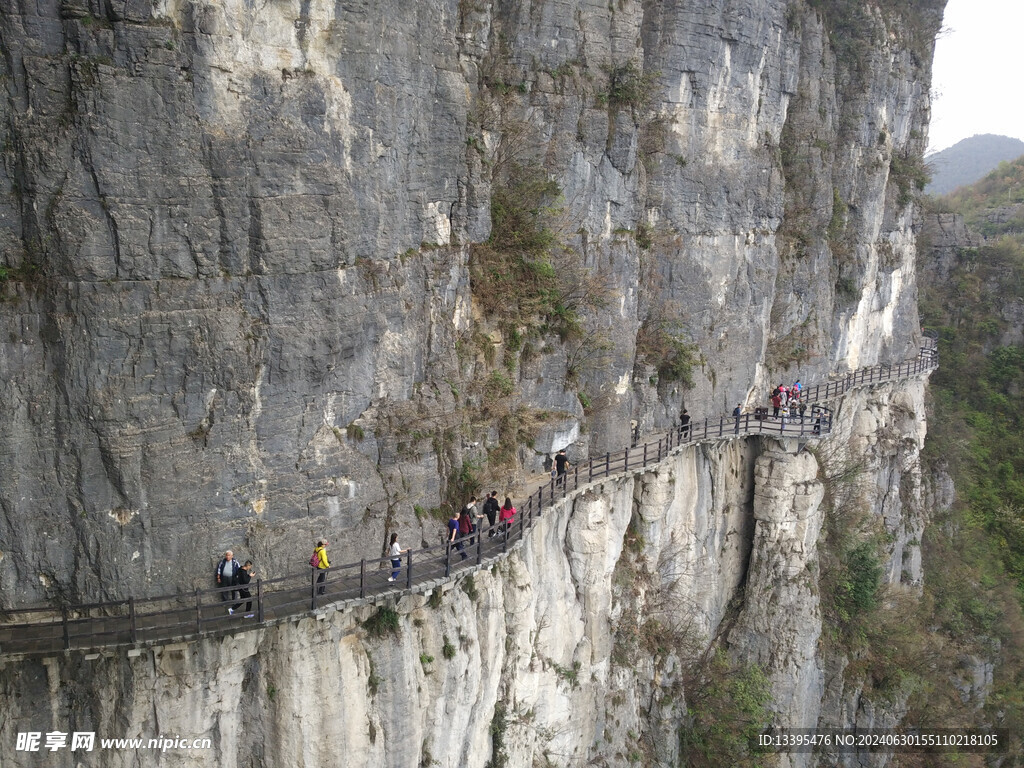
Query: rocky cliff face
pixel 250 299
pixel 238 309
pixel 577 649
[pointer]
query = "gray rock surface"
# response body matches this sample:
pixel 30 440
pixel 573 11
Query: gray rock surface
pixel 237 312
pixel 238 241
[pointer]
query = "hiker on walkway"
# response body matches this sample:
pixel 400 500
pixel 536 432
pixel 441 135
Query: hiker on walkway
pixel 320 562
pixel 491 507
pixel 737 412
pixel 466 522
pixel 453 534
pixel 473 516
pixel 561 464
pixel 684 425
pixel 776 404
pixel 508 513
pixel 227 572
pixel 797 387
pixel 245 575
pixel 395 552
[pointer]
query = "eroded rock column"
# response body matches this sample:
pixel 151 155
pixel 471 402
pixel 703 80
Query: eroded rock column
pixel 780 623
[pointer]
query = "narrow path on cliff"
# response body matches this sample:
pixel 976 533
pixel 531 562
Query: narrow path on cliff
pixel 136 623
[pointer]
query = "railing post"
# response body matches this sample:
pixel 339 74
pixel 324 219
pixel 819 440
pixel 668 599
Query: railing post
pixel 408 570
pixel 645 454
pixel 590 470
pixel 480 544
pixel 540 500
pixel 131 619
pixel 362 578
pixel 576 477
pixel 626 467
pixel 66 629
pixel 259 600
pixel 448 560
pixel 199 613
pixel 312 588
pixel 522 529
pixel 607 463
pixel 504 537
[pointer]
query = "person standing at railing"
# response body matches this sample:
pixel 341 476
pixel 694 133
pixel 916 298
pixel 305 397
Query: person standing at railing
pixel 227 571
pixel 737 412
pixel 395 552
pixel 776 403
pixel 453 534
pixel 245 575
pixel 508 513
pixel 321 563
pixel 684 425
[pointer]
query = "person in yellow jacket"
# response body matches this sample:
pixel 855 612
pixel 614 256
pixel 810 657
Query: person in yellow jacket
pixel 320 557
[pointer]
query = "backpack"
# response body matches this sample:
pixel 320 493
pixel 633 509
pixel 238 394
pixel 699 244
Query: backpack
pixel 465 524
pixel 314 561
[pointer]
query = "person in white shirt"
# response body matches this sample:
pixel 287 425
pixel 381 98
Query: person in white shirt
pixel 395 553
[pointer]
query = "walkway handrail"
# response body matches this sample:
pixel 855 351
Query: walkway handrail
pixel 168 617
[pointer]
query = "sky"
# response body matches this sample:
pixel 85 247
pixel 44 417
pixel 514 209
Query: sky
pixel 977 77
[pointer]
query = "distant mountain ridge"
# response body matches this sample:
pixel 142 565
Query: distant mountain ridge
pixel 969 160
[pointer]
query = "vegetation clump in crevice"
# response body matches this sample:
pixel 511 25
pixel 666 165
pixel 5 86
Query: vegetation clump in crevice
pixel 382 623
pixel 515 275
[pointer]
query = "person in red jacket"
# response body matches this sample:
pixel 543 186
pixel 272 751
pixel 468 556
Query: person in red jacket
pixel 508 513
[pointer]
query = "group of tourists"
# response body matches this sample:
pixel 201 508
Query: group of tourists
pixel 462 531
pixel 785 398
pixel 231 574
pixel 463 525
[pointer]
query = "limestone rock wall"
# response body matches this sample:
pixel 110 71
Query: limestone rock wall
pixel 237 309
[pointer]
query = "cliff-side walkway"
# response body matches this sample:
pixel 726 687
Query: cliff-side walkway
pixel 141 622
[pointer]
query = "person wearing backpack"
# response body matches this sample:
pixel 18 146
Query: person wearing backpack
pixel 320 562
pixel 453 534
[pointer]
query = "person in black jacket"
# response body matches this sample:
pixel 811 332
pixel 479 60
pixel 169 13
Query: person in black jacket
pixel 561 464
pixel 227 570
pixel 243 578
pixel 491 507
